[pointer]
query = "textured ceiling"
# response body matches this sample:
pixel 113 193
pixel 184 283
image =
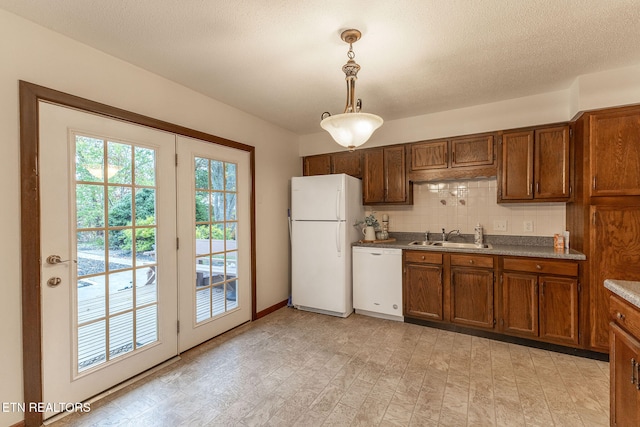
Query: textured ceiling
pixel 281 59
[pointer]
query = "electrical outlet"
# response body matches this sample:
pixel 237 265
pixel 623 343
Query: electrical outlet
pixel 499 225
pixel 527 226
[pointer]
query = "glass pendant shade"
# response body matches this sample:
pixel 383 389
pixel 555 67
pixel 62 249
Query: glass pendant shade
pixel 351 130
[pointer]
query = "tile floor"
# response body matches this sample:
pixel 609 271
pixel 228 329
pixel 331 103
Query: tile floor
pixel 294 368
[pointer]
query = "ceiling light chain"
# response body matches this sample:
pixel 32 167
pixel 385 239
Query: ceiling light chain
pixel 351 128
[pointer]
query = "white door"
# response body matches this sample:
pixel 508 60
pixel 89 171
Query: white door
pixel 214 231
pixel 109 272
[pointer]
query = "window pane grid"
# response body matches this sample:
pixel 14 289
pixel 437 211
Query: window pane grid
pixel 215 223
pixel 116 227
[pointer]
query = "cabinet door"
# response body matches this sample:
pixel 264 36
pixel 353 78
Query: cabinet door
pixel 615 254
pixel 516 173
pixel 472 297
pixel 373 180
pixel 624 357
pixel 422 291
pixel 559 309
pixel 429 155
pixel 614 152
pixel 552 163
pixel 472 151
pixel 519 294
pixel 395 176
pixel 317 165
pixel 349 162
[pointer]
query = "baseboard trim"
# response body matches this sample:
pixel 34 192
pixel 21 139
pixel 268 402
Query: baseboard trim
pixel 271 309
pixel 589 354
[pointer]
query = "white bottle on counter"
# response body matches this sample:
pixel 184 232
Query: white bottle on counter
pixel 477 235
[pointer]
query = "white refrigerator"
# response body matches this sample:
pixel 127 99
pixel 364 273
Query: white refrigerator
pixel 324 209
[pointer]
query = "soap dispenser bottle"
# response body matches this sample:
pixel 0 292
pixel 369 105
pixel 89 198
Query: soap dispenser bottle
pixel 477 235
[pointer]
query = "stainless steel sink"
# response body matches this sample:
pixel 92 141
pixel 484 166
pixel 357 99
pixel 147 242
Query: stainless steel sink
pixel 420 243
pixel 461 245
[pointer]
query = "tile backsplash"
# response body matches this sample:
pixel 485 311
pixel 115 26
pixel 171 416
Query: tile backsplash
pixel 462 205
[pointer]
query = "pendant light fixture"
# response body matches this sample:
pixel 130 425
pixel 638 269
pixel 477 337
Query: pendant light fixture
pixel 351 128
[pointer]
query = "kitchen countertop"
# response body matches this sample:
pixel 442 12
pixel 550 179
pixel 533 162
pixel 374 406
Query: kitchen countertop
pixel 497 249
pixel 625 289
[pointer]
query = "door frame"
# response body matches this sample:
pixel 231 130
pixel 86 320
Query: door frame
pixel 30 95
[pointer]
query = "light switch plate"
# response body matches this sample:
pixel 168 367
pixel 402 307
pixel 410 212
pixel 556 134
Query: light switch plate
pixel 499 225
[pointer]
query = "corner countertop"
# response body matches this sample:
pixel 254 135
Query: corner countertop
pixel 497 249
pixel 625 289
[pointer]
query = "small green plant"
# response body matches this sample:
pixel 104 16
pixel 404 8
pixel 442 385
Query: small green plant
pixel 369 221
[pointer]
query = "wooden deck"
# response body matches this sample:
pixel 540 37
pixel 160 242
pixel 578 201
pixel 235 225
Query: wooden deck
pixel 92 336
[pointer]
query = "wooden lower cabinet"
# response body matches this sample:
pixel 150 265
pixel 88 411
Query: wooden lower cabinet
pixel 519 304
pixel 624 363
pixel 423 285
pixel 535 298
pixel 472 291
pixel 536 305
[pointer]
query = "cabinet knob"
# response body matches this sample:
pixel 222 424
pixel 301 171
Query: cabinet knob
pixel 470 261
pixel 422 257
pixel 620 316
pixel 538 266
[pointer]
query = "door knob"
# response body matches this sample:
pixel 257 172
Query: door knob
pixel 54 281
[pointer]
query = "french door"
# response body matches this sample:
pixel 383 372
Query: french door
pixel 115 287
pixel 215 240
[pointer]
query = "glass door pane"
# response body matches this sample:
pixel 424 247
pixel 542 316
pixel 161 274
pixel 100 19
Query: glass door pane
pixel 216 226
pixel 117 272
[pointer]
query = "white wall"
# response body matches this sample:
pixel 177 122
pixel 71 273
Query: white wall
pixel 37 55
pixel 588 92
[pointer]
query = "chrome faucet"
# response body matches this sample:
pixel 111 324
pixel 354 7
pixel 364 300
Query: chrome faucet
pixel 445 235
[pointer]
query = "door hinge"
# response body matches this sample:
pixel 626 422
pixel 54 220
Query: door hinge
pixel 502 323
pixel 593 218
pixel 494 322
pixel 595 181
pixel 579 287
pixel 178 326
pixel 176 159
pixel 570 132
pixel 501 279
pixel 177 243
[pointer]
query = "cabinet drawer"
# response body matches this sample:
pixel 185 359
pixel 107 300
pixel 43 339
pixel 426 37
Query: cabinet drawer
pixel 472 261
pixel 541 266
pixel 625 315
pixel 423 257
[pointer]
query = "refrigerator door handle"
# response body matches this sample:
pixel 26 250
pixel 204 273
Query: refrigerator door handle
pixel 338 203
pixel 339 249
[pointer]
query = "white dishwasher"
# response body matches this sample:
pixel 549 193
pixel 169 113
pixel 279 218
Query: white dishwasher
pixel 377 282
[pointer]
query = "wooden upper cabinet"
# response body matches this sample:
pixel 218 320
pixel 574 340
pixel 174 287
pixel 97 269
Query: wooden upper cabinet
pixel 614 152
pixel 535 165
pixel 516 170
pixel 395 177
pixel 472 151
pixel 456 158
pixel 430 155
pixel 317 165
pixel 349 162
pixel 373 178
pixel 551 163
pixel 384 178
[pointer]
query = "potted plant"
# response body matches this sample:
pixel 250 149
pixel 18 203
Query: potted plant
pixel 370 224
